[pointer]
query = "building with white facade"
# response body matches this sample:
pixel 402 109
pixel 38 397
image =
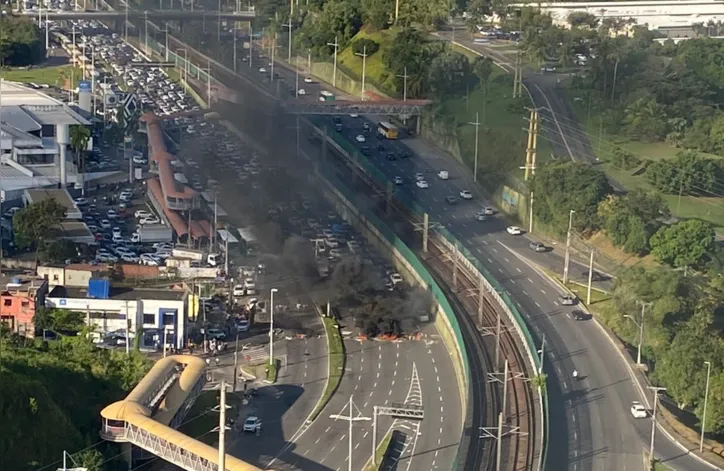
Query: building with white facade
pixel 34 140
pixel 153 309
pixel 666 14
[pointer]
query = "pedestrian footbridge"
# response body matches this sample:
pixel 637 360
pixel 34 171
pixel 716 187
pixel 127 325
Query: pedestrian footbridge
pixel 149 416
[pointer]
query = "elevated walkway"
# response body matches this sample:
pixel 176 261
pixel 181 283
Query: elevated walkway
pixel 147 418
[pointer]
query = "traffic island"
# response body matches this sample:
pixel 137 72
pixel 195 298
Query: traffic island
pixel 380 453
pixel 268 373
pixel 336 360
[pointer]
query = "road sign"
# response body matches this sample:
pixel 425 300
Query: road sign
pixel 84 86
pixel 130 106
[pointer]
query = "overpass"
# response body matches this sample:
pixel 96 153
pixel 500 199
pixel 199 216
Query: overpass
pixel 655 14
pixel 137 14
pixel 152 411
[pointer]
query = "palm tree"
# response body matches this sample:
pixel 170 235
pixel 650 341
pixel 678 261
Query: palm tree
pixel 79 137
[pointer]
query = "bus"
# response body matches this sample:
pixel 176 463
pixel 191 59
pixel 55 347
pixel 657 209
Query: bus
pixel 388 130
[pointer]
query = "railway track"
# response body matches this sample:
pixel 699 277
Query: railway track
pixel 519 429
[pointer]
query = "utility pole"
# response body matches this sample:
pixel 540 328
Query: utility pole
pixel 568 247
pixel 404 85
pixel 222 425
pixel 218 24
pixel 542 353
pixel 145 36
pixel 530 151
pixel 235 47
pixel 425 229
pixel 590 278
pixel 271 326
pixel 706 400
pixel 273 48
pixel 351 418
pixel 208 82
pixel 455 266
pixel 477 137
pixel 334 71
pixel 518 76
pixel 640 325
pixel 397 10
pixel 364 68
pixel 126 23
pixel 289 47
pixel 656 391
pixel 251 46
pixel 236 362
pixel 530 215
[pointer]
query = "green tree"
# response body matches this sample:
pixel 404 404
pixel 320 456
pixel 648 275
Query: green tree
pixel 450 74
pixel 483 67
pixel 410 52
pixel 365 46
pixel 631 220
pixel 79 137
pixel 21 41
pixel 689 173
pixel 569 186
pixel 683 244
pixel 580 19
pixel 645 119
pixel 377 14
pixel 92 460
pixel 33 224
pixel 58 251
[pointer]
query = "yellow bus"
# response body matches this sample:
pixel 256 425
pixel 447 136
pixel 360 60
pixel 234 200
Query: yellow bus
pixel 388 130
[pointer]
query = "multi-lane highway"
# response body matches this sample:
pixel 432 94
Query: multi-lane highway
pixel 591 424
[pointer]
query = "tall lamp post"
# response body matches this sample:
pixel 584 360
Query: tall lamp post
pixel 706 400
pixel 363 55
pixel 271 326
pixel 656 391
pixel 640 325
pixel 568 246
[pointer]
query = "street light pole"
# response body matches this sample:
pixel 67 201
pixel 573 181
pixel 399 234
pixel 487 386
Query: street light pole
pixel 289 47
pixel 271 326
pixel 235 47
pixel 404 85
pixel 334 71
pixel 351 419
pixel 477 137
pixel 364 68
pixel 568 247
pixel 653 420
pixel 706 400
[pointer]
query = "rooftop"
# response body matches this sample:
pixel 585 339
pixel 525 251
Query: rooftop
pixel 28 109
pixel 60 195
pixel 120 293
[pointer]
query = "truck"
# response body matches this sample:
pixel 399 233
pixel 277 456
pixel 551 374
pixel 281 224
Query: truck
pixel 198 256
pixel 151 233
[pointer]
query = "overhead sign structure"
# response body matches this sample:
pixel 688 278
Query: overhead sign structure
pixel 130 106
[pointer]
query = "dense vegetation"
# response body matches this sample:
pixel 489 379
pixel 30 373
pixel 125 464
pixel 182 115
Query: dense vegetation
pixel 52 394
pixel 20 41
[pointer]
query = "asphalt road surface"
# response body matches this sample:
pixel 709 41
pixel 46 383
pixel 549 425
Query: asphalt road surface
pixel 380 374
pixel 591 424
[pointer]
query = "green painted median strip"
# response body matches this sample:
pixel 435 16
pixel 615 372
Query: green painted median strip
pixel 336 365
pixel 379 453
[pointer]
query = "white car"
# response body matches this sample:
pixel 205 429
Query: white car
pixel 638 411
pixel 466 195
pixel 162 254
pixel 135 238
pixel 488 211
pixel 251 424
pixel 81 202
pixel 139 160
pixel 149 220
pixel 150 260
pixel 398 180
pixel 308 80
pixel 238 291
pixel 360 138
pixel 262 70
pixel 301 91
pixel 480 216
pixel 419 177
pixel 354 115
pixel 112 214
pixel 396 278
pixel 142 214
pixel 422 184
pixel 126 195
pixel 116 231
pixel 249 284
pixel 130 258
pixel 106 258
pixel 105 224
pixel 514 230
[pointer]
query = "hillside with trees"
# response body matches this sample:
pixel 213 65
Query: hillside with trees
pixel 53 391
pixel 21 43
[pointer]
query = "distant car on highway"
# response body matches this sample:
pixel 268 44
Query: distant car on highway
pixel 308 80
pixel 360 138
pixel 638 411
pixel 514 230
pixel 466 195
pixel 480 216
pixel 488 211
pixel 398 180
pixel 262 70
pixel 537 247
pixel 422 184
pixel 419 177
pixel 301 91
pixel 578 315
pixel 451 200
pixel 567 299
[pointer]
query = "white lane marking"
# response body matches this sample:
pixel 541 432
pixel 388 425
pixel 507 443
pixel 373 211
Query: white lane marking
pixel 519 270
pixel 506 260
pixel 531 281
pixel 524 293
pixel 484 241
pixel 490 261
pixel 342 437
pixel 495 250
pixel 556 303
pixel 542 291
pixel 537 305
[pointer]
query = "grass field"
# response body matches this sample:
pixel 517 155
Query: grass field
pixel 57 76
pixel 604 145
pixel 505 119
pixel 201 420
pixel 375 71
